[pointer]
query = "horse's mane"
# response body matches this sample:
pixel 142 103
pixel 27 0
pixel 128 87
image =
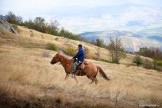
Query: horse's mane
pixel 64 55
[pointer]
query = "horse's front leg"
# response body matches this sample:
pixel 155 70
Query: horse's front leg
pixel 66 77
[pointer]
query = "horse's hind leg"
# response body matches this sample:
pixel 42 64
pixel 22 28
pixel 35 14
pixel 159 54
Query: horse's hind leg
pixel 96 81
pixel 92 78
pixel 66 77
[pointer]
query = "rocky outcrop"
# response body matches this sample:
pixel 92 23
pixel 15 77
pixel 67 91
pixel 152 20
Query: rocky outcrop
pixel 4 25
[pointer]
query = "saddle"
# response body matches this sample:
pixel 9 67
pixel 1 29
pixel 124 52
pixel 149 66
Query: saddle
pixel 80 68
pixel 82 65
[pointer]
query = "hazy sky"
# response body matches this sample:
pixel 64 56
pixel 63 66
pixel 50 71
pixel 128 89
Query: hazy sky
pixel 45 5
pixel 57 9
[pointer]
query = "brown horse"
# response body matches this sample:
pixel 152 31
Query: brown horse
pixel 90 69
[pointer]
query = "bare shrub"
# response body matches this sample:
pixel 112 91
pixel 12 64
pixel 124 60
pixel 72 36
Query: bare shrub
pixel 116 50
pixel 46 54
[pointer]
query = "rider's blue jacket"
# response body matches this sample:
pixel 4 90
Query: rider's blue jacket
pixel 80 55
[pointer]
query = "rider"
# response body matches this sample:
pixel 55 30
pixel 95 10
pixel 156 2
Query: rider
pixel 78 59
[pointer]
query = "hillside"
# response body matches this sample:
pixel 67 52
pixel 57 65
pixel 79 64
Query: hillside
pixel 27 79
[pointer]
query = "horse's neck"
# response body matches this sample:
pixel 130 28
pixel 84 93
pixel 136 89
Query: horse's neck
pixel 64 61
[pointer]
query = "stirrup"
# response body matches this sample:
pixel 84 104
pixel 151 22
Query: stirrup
pixel 72 75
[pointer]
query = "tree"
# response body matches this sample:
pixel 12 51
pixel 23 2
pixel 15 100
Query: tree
pixel 99 42
pixel 40 24
pixel 151 52
pixel 67 34
pixel 12 18
pixel 52 27
pixel 116 49
pixel 30 24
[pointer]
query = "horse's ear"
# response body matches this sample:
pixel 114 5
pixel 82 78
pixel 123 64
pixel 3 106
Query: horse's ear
pixel 60 51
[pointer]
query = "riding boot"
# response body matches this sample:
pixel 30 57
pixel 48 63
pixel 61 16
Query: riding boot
pixel 74 68
pixel 73 73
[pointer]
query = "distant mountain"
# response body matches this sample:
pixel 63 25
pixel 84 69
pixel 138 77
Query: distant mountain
pixel 131 41
pixel 107 34
pixel 157 38
pixel 151 32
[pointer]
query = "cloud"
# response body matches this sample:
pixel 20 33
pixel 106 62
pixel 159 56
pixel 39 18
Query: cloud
pixel 78 15
pixel 142 18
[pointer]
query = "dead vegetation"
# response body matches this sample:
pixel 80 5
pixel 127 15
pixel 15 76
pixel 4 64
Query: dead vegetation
pixel 27 79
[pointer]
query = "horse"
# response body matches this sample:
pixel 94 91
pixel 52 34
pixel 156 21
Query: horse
pixel 90 69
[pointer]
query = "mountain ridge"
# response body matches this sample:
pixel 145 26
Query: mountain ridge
pixel 131 41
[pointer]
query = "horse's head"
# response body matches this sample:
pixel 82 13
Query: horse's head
pixel 55 59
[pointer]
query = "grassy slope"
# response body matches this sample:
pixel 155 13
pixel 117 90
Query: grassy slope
pixel 28 79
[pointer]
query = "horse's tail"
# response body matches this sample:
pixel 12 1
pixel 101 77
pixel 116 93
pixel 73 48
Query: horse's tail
pixel 102 73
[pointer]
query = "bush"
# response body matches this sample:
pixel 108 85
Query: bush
pixel 157 64
pixel 70 50
pixel 51 46
pixel 152 65
pixel 138 60
pixel 151 52
pixel 147 64
pixel 87 53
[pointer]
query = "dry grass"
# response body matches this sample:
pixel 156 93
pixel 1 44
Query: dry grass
pixel 26 75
